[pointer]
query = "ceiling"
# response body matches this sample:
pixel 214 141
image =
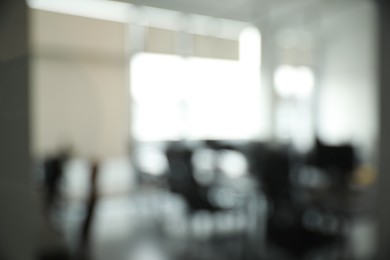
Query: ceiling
pixel 241 10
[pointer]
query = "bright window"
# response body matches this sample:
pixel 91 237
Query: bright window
pixel 194 98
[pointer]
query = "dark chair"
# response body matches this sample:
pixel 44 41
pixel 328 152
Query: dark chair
pixel 181 178
pixel 337 161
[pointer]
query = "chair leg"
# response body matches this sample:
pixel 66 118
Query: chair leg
pixel 85 236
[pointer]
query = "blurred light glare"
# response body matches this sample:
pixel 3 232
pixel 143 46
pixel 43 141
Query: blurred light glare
pixel 249 47
pixel 152 161
pixel 233 164
pixel 148 250
pixel 305 82
pixel 293 81
pixel 76 178
pixel 282 80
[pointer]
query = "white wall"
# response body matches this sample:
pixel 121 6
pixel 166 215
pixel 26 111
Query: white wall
pixel 80 90
pixel 348 87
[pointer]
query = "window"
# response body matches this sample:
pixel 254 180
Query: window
pixel 294 86
pixel 196 98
